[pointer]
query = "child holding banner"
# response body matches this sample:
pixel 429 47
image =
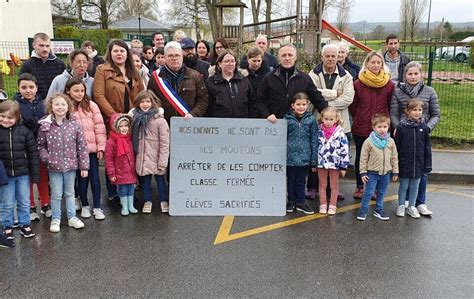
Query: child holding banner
pixel 150 136
pixel 302 152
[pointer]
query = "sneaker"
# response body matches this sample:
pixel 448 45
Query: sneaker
pixel 8 233
pixel 4 242
pixel 75 222
pixel 423 210
pixel 86 212
pixel 15 223
pixel 165 207
pixel 26 231
pixel 34 215
pixel 381 215
pixel 323 209
pixel 77 202
pixel 302 207
pixel 400 211
pixel 147 207
pixel 361 216
pixel 46 211
pixel 358 193
pixel 407 203
pixel 290 207
pixel 98 214
pixel 413 212
pixel 340 196
pixel 332 210
pixel 55 226
pixel 310 193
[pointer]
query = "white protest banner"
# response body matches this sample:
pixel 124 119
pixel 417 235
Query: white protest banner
pixel 227 167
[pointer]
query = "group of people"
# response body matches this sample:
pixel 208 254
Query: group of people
pixel 62 122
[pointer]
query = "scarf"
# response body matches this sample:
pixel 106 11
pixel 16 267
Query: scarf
pixel 411 90
pixel 122 142
pixel 140 122
pixel 328 131
pixel 176 77
pixel 380 142
pixel 372 80
pixel 411 123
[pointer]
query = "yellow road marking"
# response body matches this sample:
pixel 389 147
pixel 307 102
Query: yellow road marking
pixel 224 234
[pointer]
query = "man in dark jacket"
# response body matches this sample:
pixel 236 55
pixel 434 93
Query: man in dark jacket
pixel 257 67
pixel 43 64
pixel 347 64
pixel 270 60
pixel 191 59
pixel 395 59
pixel 187 83
pixel 279 86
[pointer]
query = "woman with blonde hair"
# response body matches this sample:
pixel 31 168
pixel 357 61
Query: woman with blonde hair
pixel 373 94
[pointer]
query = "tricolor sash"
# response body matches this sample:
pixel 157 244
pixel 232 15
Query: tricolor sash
pixel 171 95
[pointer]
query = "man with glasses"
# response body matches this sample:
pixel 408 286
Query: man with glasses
pixel 43 64
pixel 179 80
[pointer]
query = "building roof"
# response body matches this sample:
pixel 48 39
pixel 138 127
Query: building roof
pixel 131 23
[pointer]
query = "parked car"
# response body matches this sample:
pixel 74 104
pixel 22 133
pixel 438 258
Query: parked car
pixel 457 53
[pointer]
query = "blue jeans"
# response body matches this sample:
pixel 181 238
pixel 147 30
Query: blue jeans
pixel 162 186
pixel 421 198
pixel 93 177
pixel 16 192
pixel 410 186
pixel 126 190
pixel 295 180
pixel 62 184
pixel 376 182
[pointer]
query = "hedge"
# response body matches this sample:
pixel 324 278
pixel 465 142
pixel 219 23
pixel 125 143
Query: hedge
pixel 99 37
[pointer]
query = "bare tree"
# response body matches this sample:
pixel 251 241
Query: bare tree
pixel 66 8
pixel 256 4
pixel 378 32
pixel 104 10
pixel 343 12
pixel 411 12
pixel 138 7
pixel 189 13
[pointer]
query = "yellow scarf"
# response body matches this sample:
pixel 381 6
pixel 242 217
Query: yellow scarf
pixel 372 80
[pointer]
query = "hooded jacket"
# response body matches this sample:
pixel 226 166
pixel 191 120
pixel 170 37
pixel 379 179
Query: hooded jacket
pixel 153 148
pixel 92 125
pixel 59 82
pixel 343 82
pixel 62 147
pixel 44 71
pixel 123 167
pixel 230 99
pixel 404 60
pixel 302 140
pixel 18 152
pixel 333 153
pixel 31 112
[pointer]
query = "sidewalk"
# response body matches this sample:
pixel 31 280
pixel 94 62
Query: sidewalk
pixel 449 166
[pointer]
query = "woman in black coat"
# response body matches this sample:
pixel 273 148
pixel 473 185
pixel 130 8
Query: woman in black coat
pixel 230 92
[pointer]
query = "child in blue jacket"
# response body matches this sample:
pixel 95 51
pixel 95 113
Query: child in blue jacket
pixel 302 151
pixel 414 155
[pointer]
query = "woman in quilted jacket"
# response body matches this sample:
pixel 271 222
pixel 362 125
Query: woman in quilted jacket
pixel 88 115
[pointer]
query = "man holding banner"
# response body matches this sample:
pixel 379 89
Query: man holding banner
pixel 181 90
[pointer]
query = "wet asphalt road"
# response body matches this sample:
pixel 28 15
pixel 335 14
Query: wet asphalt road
pixel 158 255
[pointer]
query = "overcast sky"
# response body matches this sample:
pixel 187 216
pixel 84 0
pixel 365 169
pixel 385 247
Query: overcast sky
pixel 388 11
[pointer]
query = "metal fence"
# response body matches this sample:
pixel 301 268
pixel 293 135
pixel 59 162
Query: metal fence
pixel 452 80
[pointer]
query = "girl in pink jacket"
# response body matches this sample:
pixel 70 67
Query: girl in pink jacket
pixel 150 135
pixel 120 161
pixel 88 115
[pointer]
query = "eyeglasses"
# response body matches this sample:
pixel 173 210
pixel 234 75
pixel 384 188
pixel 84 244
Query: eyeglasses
pixel 173 56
